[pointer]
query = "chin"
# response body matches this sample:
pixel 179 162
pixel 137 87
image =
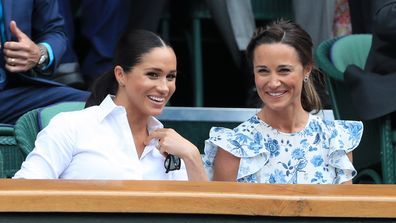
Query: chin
pixel 156 111
pixel 276 107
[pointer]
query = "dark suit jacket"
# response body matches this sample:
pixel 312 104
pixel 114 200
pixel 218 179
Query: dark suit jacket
pixel 41 21
pixel 373 90
pixel 382 56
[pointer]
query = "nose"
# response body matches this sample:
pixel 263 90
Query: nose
pixel 274 82
pixel 162 85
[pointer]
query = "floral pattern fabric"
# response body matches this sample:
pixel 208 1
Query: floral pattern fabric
pixel 315 155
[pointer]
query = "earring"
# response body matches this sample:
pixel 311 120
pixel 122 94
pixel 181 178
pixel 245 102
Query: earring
pixel 306 78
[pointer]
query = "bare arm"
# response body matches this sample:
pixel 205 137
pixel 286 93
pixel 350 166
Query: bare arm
pixel 226 166
pixel 194 166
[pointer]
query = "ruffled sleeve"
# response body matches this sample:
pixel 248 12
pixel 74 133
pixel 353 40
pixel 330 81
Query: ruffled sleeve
pixel 244 142
pixel 345 136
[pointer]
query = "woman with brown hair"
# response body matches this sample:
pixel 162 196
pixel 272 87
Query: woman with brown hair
pixel 284 143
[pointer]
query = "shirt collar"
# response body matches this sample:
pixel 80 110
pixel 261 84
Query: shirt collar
pixel 108 106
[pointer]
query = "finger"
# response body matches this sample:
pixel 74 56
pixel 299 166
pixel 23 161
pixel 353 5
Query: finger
pixel 16 54
pixel 148 139
pixel 14 69
pixel 156 134
pixel 12 61
pixel 163 150
pixel 16 31
pixel 14 47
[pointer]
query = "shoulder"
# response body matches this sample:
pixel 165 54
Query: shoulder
pixel 80 117
pixel 246 128
pixel 334 125
pixel 342 134
pixel 245 140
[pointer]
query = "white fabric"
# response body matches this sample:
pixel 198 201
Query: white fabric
pixel 95 143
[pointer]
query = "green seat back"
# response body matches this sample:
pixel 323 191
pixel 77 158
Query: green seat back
pixel 26 129
pixel 351 49
pixel 28 125
pixel 47 113
pixel 11 156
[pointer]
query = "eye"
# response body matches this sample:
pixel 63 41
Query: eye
pixel 262 71
pixel 284 70
pixel 171 77
pixel 152 75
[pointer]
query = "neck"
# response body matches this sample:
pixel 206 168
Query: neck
pixel 139 132
pixel 285 121
pixel 135 118
pixel 137 123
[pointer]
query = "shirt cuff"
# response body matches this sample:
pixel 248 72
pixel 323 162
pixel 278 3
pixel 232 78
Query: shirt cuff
pixel 50 55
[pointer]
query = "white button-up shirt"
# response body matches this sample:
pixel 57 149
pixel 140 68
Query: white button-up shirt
pixel 95 143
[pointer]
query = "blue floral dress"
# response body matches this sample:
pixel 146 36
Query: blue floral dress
pixel 315 155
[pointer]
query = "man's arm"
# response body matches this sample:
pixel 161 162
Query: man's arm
pixel 42 46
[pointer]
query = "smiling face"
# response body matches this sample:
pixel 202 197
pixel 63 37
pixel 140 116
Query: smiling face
pixel 278 76
pixel 147 87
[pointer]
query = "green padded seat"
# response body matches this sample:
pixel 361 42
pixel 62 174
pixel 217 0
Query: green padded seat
pixel 10 155
pixel 351 49
pixel 26 129
pixel 46 114
pixel 28 125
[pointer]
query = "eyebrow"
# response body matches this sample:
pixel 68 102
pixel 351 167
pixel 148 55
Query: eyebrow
pixel 260 66
pixel 282 66
pixel 154 68
pixel 160 70
pixel 285 66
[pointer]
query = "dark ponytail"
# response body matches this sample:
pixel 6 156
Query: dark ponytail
pixel 129 51
pixel 105 84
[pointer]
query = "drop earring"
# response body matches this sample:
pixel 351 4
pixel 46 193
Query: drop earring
pixel 306 78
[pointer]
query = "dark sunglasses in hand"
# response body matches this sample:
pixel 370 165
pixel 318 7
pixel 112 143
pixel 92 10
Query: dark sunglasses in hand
pixel 172 163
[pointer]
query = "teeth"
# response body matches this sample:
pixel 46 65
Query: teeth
pixel 275 94
pixel 157 99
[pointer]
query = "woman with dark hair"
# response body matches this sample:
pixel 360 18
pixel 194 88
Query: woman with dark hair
pixel 284 143
pixel 117 136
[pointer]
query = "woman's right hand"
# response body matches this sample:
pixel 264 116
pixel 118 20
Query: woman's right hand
pixel 171 142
